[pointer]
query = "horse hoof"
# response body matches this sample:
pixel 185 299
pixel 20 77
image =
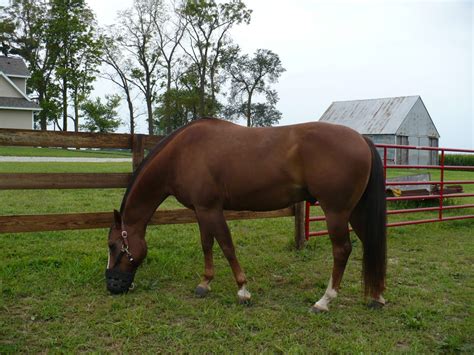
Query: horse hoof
pixel 201 291
pixel 317 310
pixel 244 296
pixel 375 305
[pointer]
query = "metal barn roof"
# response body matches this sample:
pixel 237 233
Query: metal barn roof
pixel 373 116
pixel 13 66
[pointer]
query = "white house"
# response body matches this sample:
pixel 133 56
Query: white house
pixel 394 120
pixel 16 108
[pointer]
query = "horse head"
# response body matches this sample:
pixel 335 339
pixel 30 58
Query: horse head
pixel 127 249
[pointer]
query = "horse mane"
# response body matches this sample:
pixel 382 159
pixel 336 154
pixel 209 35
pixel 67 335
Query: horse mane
pixel 161 144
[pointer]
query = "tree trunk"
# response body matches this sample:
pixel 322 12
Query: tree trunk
pixel 202 87
pixel 213 94
pixel 64 104
pixel 76 114
pixel 130 111
pixel 167 116
pixel 128 96
pixel 248 112
pixel 42 116
pixel 151 130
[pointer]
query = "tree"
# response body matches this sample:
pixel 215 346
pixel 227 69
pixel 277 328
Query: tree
pixel 25 28
pixel 73 29
pixel 84 71
pixel 114 57
pixel 170 32
pixel 101 117
pixel 138 32
pixel 250 77
pixel 207 30
pixel 178 106
pixel 264 114
pixel 56 38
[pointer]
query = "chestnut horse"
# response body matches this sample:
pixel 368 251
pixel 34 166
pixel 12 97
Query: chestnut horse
pixel 212 165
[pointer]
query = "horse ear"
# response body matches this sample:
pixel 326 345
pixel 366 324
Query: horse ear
pixel 117 219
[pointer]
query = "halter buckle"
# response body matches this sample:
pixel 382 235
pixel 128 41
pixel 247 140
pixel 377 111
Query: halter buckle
pixel 126 251
pixel 125 244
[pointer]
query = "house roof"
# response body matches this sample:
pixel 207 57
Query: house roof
pixel 373 116
pixel 13 66
pixel 17 103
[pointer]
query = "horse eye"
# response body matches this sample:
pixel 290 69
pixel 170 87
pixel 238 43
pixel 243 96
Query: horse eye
pixel 112 247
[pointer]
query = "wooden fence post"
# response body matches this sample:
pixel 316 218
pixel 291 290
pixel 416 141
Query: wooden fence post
pixel 138 150
pixel 299 225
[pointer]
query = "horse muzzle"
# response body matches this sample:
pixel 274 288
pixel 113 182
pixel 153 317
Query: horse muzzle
pixel 118 281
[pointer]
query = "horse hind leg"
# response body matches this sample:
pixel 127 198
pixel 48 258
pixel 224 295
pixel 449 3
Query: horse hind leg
pixel 207 242
pixel 213 223
pixel 341 247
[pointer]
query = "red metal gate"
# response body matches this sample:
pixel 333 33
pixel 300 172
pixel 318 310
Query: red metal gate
pixel 440 192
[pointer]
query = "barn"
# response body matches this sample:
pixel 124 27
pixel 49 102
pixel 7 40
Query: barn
pixel 394 120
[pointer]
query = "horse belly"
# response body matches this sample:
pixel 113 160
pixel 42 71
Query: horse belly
pixel 261 184
pixel 265 199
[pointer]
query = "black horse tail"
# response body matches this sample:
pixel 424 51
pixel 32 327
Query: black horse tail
pixel 374 205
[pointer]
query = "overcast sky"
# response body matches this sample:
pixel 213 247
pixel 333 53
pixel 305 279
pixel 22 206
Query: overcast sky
pixel 347 50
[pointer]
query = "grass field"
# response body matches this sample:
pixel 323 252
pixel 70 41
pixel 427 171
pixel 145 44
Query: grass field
pixel 53 295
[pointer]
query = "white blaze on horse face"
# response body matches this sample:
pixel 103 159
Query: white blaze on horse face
pixel 328 296
pixel 108 260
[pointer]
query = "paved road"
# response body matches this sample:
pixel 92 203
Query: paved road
pixel 64 160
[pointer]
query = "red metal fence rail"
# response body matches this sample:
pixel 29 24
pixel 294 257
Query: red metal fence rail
pixel 440 194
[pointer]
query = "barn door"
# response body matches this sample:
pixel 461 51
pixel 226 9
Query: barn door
pixel 434 154
pixel 402 154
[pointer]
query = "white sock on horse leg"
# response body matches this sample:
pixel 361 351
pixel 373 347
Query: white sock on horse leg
pixel 328 296
pixel 244 294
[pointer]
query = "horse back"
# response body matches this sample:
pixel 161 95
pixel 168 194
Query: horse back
pixel 217 162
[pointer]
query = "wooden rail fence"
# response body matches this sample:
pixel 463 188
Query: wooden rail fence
pixel 137 143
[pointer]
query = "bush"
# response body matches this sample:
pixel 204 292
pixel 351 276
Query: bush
pixel 459 159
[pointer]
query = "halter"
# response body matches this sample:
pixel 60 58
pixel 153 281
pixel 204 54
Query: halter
pixel 125 245
pixel 121 281
pixel 124 249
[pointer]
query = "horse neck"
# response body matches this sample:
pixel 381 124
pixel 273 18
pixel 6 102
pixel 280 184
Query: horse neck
pixel 144 196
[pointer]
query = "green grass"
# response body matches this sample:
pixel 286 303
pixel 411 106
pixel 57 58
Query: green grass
pixel 58 152
pixel 53 295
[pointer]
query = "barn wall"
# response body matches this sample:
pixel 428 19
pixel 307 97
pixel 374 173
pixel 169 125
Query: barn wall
pixel 21 119
pixel 384 139
pixel 419 127
pixel 418 123
pixel 418 157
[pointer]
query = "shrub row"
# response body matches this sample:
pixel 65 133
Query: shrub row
pixel 459 159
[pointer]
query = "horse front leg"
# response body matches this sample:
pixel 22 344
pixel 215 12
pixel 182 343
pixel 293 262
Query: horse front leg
pixel 341 248
pixel 207 242
pixel 212 221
